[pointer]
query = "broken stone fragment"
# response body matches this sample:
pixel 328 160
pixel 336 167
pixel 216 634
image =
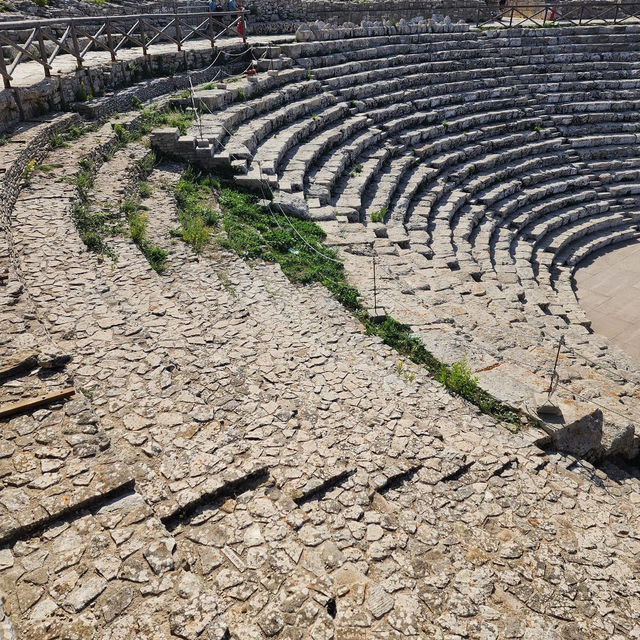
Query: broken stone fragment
pixel 51 359
pixel 88 591
pixel 379 601
pixel 159 557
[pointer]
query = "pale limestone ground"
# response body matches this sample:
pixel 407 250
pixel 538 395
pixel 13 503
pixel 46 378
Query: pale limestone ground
pixel 278 473
pixel 608 287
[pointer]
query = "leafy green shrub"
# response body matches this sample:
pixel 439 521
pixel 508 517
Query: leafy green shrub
pixel 459 378
pixel 195 233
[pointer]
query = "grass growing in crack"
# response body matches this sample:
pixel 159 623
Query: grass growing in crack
pixel 144 189
pixel 194 196
pixel 152 119
pixel 378 216
pixel 156 256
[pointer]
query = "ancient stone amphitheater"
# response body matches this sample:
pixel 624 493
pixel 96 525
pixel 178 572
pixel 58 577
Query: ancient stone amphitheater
pixel 214 452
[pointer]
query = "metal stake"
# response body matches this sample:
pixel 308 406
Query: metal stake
pixel 555 365
pixel 375 290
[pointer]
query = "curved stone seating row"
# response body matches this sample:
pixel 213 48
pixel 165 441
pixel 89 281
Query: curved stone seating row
pixel 483 159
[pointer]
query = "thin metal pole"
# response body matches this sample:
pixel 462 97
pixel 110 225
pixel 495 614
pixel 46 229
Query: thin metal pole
pixel 375 288
pixel 555 365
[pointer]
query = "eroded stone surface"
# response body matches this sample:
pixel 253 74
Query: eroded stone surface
pixel 291 479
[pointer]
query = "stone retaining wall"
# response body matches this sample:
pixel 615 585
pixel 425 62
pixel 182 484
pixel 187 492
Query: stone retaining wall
pixel 339 12
pixel 157 75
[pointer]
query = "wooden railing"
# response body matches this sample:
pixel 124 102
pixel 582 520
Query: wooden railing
pixel 78 36
pixel 570 14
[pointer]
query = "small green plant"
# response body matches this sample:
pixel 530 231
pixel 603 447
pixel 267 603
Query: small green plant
pixel 195 233
pixel 41 3
pixel 57 141
pixel 81 94
pixel 136 103
pixel 309 74
pixel 138 226
pixel 537 128
pixel 28 170
pixel 446 124
pixel 358 168
pixel 314 117
pixel 378 215
pixel 459 378
pixel 394 22
pixel 241 94
pixel 156 256
pixel 144 189
pixel 47 168
pixel 3 141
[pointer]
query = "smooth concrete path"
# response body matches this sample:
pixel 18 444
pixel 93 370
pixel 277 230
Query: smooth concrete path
pixel 30 73
pixel 608 288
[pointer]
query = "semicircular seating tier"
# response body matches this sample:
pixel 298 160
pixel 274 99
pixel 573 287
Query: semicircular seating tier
pixel 479 168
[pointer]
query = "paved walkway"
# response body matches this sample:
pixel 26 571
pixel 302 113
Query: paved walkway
pixel 608 287
pixel 31 73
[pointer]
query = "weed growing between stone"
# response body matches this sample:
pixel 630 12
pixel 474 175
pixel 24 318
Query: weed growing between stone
pixel 255 232
pixel 93 228
pixel 155 256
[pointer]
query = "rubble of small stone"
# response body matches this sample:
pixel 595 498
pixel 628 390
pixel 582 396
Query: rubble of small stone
pixel 240 460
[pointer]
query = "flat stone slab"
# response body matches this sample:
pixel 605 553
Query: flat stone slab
pixel 53 462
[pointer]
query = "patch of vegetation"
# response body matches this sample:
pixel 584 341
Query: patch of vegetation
pixel 194 196
pixel 156 256
pixel 3 141
pixel 144 189
pixel 241 94
pixel 28 170
pixel 58 140
pixel 309 74
pixel 152 119
pixel 46 168
pixel 378 216
pixel 93 227
pixel 41 3
pixel 537 128
pixel 255 232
